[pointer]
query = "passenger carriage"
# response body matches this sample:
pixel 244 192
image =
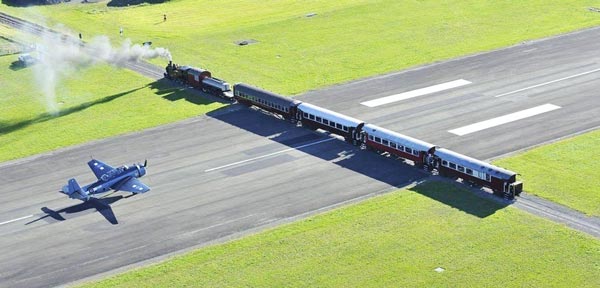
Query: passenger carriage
pixel 266 100
pixel 503 182
pixel 384 140
pixel 315 117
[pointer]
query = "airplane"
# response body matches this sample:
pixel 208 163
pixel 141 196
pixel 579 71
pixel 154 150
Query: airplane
pixel 123 178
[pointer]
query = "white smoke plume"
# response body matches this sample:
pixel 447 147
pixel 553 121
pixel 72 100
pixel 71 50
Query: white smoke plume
pixel 60 56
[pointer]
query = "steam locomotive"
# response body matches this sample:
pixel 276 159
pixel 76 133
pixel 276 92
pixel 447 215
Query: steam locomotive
pixel 200 79
pixel 424 155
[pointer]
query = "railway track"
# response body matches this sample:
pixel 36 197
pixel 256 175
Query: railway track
pixel 558 213
pixel 24 25
pixel 144 68
pixel 530 203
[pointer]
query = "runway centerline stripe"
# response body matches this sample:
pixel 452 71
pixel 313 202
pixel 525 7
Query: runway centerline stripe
pixel 15 220
pixel 547 83
pixel 504 119
pixel 269 155
pixel 416 93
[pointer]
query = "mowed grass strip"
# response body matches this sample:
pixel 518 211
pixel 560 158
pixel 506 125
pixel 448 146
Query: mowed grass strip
pixel 394 240
pixel 342 41
pixel 566 172
pixel 93 103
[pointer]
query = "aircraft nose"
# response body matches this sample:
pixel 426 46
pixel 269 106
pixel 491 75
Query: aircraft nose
pixel 141 170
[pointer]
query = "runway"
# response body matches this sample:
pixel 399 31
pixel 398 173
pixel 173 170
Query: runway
pixel 562 71
pixel 239 170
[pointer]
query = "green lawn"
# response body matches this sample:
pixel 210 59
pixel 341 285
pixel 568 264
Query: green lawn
pixel 94 103
pixel 566 172
pixel 345 40
pixel 394 240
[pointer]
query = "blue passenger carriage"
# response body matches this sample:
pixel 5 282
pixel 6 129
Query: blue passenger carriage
pixel 269 101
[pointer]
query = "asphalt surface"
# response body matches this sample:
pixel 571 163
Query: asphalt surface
pixel 231 172
pixel 492 74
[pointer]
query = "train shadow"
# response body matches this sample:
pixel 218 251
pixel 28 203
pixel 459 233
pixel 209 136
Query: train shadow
pixel 471 200
pixel 8 127
pixel 101 205
pixel 173 91
pixel 389 170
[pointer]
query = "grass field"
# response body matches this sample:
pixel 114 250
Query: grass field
pixel 96 103
pixel 394 240
pixel 345 40
pixel 565 172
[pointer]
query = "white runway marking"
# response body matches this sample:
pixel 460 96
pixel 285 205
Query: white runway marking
pixel 15 220
pixel 547 83
pixel 416 93
pixel 269 155
pixel 504 119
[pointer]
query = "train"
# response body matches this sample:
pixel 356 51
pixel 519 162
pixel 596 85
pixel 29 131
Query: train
pixel 200 79
pixel 433 158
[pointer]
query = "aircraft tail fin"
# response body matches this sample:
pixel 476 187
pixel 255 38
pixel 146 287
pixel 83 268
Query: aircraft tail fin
pixel 74 190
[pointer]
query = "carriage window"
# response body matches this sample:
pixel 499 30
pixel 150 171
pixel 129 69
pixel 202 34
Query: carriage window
pixel 452 165
pixel 345 128
pixel 444 163
pixel 393 145
pixel 416 152
pixel 400 147
pixel 305 114
pixel 487 177
pixel 408 150
pixel 371 137
pixel 377 139
pixel 386 142
pixel 325 121
pixel 482 175
pixel 461 168
pixel 319 119
pixel 312 117
pixel 338 126
pixel 469 171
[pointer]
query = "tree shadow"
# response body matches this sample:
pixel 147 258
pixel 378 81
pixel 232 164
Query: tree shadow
pixel 102 205
pixel 27 3
pixel 124 3
pixel 6 128
pixel 389 170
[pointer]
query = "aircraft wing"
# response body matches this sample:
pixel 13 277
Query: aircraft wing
pixel 99 168
pixel 133 185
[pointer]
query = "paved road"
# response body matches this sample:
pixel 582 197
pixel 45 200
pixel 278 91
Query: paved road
pixel 233 171
pixel 573 60
pixel 196 197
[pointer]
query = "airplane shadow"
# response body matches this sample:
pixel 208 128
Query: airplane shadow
pixel 102 205
pixel 389 170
